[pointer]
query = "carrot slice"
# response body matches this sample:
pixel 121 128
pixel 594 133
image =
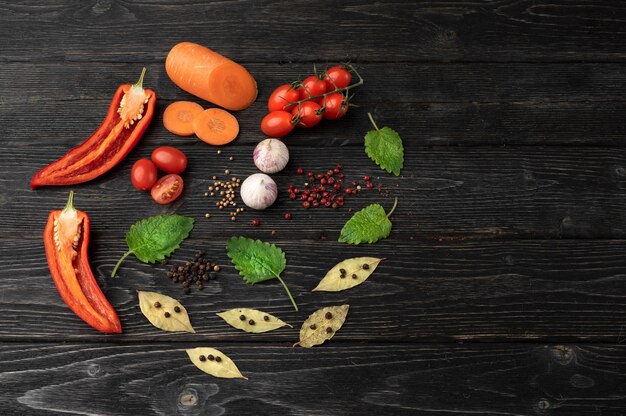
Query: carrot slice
pixel 178 117
pixel 216 126
pixel 210 76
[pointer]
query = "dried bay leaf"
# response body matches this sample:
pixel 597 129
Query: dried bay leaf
pixel 348 273
pixel 251 320
pixel 214 362
pixel 164 312
pixel 322 325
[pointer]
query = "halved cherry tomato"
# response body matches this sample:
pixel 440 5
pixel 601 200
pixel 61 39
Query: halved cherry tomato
pixel 143 175
pixel 169 159
pixel 281 97
pixel 308 114
pixel 277 124
pixel 336 106
pixel 340 76
pixel 312 86
pixel 167 189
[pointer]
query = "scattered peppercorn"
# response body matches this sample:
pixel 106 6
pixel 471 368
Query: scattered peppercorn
pixel 231 158
pixel 218 359
pixel 167 314
pixel 242 317
pixel 313 327
pixel 157 304
pixel 287 216
pixel 210 357
pixel 202 358
pixel 193 271
pixel 329 330
pixel 266 318
pixel 366 266
pixel 354 276
pixel 342 271
pixel 328 315
pixel 255 222
pixel 176 309
pixel 251 322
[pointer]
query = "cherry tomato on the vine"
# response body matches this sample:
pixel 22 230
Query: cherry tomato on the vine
pixel 312 86
pixel 308 114
pixel 282 96
pixel 277 124
pixel 340 76
pixel 336 106
pixel 167 189
pixel 169 159
pixel 143 175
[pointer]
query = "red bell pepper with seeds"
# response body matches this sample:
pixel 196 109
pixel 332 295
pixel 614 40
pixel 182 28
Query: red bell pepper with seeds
pixel 66 240
pixel 130 113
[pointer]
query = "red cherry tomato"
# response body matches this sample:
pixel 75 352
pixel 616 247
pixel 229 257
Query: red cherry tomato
pixel 340 76
pixel 169 159
pixel 143 175
pixel 277 124
pixel 336 106
pixel 308 114
pixel 312 86
pixel 167 189
pixel 281 97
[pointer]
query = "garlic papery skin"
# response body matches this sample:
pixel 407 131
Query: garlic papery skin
pixel 270 156
pixel 258 191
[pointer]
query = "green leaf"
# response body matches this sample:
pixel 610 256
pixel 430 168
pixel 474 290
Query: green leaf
pixel 257 261
pixel 367 225
pixel 384 147
pixel 156 237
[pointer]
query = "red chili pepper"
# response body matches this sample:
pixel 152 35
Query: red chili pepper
pixel 66 239
pixel 128 117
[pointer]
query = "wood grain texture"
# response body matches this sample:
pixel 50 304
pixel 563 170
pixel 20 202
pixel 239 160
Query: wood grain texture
pixel 444 193
pixel 265 31
pixel 481 291
pixel 338 379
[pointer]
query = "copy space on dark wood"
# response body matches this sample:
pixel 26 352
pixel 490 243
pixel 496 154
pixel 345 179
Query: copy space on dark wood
pixel 504 286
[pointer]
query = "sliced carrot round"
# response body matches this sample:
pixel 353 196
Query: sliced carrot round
pixel 178 117
pixel 233 86
pixel 216 126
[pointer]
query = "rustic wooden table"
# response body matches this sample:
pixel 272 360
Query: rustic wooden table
pixel 504 288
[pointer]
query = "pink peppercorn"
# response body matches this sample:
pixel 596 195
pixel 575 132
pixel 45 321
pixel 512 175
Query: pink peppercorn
pixel 255 222
pixel 300 171
pixel 287 216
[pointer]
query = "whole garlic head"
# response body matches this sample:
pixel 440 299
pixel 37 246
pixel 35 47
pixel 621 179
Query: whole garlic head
pixel 270 155
pixel 258 191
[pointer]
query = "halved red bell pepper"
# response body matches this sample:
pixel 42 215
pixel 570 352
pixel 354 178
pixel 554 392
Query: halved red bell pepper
pixel 66 240
pixel 129 115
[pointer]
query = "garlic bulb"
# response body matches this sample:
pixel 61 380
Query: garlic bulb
pixel 258 191
pixel 270 156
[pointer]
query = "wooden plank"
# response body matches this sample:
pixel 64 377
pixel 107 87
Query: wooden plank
pixel 336 379
pixel 485 83
pixel 510 30
pixel 503 291
pixel 445 193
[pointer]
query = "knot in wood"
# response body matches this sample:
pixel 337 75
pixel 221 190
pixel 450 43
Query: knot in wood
pixel 188 398
pixel 563 354
pixel 94 370
pixel 543 404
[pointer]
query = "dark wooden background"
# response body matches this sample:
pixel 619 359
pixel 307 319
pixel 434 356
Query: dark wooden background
pixel 504 292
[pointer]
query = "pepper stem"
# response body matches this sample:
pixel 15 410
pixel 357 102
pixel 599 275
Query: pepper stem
pixel 288 293
pixel 395 204
pixel 373 122
pixel 69 207
pixel 140 82
pixel 120 262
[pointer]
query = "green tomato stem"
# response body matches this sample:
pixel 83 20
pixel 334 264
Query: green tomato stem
pixel 395 204
pixel 373 122
pixel 128 253
pixel 288 293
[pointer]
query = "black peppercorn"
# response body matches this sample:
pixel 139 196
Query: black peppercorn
pixel 366 266
pixel 328 315
pixel 242 317
pixel 329 330
pixel 251 322
pixel 157 305
pixel 210 357
pixel 342 271
pixel 313 327
pixel 218 359
pixel 202 358
pixel 176 309
pixel 354 276
pixel 266 318
pixel 167 314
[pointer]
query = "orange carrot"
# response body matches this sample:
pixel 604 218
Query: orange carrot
pixel 210 76
pixel 216 126
pixel 178 117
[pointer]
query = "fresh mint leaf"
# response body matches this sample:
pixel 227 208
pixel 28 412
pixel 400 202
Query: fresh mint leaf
pixel 384 146
pixel 156 237
pixel 257 261
pixel 367 225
